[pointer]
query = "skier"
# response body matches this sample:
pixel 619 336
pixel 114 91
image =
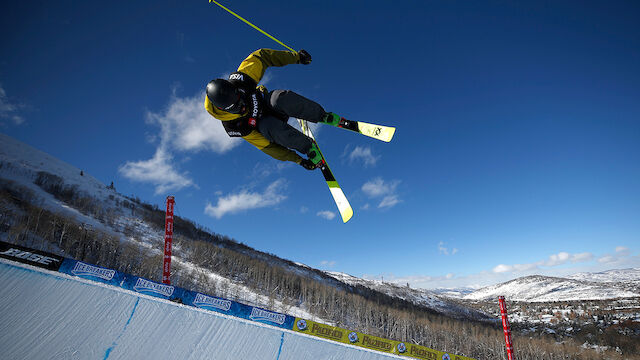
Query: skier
pixel 260 116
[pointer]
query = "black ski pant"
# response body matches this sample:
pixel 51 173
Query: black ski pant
pixel 293 105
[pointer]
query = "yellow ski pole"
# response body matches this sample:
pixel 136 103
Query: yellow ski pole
pixel 250 24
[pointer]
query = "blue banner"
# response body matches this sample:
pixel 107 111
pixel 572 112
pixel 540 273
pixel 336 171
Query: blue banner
pixel 91 272
pixel 271 318
pixel 151 288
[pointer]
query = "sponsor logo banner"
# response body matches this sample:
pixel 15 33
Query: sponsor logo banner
pixel 91 272
pixel 380 344
pixel 152 288
pixel 326 331
pixel 211 303
pixel 29 256
pixel 82 269
pixel 262 315
pixel 371 342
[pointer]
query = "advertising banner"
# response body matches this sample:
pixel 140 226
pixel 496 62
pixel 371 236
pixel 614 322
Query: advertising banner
pixel 325 331
pixel 371 342
pixel 270 317
pixel 168 240
pixel 91 272
pixel 29 256
pixel 151 288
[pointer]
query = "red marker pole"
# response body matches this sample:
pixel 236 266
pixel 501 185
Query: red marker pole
pixel 168 238
pixel 506 327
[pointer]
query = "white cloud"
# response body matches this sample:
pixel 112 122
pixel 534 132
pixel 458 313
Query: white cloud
pixel 9 110
pixel 185 126
pixel 328 263
pixel 554 260
pixel 442 249
pixel 579 262
pixel 377 188
pixel 557 259
pixel 246 200
pixel 158 171
pixel 620 255
pixel 329 215
pixel 606 259
pixel 624 251
pixel 582 257
pixel 389 201
pixel 502 268
pixel 363 154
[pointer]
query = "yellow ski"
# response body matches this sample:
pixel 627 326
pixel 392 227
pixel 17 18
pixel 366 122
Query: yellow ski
pixel 338 196
pixel 380 132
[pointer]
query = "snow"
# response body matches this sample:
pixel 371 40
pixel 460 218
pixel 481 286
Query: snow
pixel 627 275
pixel 21 163
pixel 54 316
pixel 543 288
pixel 422 297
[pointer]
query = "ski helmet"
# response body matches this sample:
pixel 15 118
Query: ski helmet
pixel 225 95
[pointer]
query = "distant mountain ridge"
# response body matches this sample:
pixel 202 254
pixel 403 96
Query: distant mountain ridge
pixel 606 285
pixel 432 299
pixel 631 275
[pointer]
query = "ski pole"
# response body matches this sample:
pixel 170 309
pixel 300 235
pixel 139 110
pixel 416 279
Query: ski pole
pixel 250 24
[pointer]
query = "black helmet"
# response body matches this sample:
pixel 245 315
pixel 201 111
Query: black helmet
pixel 224 95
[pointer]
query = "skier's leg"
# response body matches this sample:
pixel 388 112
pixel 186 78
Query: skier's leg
pixel 280 132
pixel 297 106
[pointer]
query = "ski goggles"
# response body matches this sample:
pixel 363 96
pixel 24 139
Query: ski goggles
pixel 237 107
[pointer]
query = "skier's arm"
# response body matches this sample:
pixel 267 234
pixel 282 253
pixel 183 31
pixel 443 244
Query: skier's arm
pixel 258 61
pixel 272 149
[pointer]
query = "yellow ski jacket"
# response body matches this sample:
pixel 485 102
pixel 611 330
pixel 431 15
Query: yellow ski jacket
pixel 254 66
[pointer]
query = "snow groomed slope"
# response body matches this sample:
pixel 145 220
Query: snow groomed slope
pixel 59 308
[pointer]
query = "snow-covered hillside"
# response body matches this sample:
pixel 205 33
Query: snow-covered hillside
pixel 538 288
pixel 630 276
pixel 442 304
pixel 22 164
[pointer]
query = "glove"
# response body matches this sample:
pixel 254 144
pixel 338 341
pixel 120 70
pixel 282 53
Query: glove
pixel 305 57
pixel 307 164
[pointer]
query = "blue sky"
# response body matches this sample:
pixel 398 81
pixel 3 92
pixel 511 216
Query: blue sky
pixel 517 149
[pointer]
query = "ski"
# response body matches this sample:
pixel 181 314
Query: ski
pixel 338 196
pixel 380 132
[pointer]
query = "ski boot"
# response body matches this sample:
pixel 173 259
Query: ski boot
pixel 314 155
pixel 332 119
